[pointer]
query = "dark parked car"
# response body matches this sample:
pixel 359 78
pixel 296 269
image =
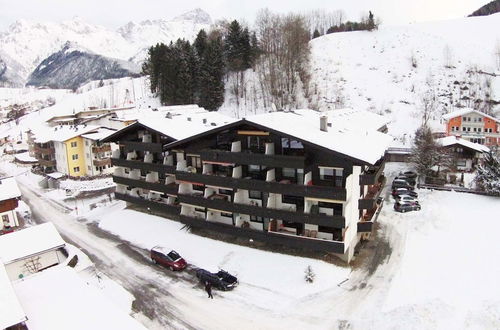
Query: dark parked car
pixel 405 207
pixel 409 174
pixel 404 191
pixel 167 258
pixel 411 181
pixel 401 183
pixel 221 280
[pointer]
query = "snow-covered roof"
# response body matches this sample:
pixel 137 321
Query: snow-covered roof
pixel 367 145
pixel 182 124
pixel 56 175
pixel 30 241
pixel 58 298
pixel 451 140
pixel 465 111
pixel 11 312
pixel 62 133
pixel 25 158
pixel 100 134
pixel 9 189
pixel 349 118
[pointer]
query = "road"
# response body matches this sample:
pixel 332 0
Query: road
pixel 127 265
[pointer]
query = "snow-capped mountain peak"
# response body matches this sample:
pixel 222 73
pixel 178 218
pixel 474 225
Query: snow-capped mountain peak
pixel 197 16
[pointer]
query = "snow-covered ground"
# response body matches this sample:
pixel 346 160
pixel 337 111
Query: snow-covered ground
pixel 439 273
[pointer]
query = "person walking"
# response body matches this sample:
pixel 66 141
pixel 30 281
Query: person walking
pixel 208 289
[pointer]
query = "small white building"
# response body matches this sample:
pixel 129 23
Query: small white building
pixel 11 312
pixel 31 250
pixel 9 196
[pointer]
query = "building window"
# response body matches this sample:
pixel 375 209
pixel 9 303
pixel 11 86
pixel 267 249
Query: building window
pixel 255 194
pixel 464 129
pixel 73 144
pixel 76 169
pixel 480 119
pixel 468 129
pixel 479 129
pixel 5 220
pixel 474 129
pixel 227 215
pixel 194 161
pixel 336 207
pixel 74 157
pixel 331 174
pixel 254 218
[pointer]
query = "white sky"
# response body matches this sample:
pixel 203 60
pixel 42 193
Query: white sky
pixel 115 13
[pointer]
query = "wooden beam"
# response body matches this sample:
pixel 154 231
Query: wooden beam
pixel 258 133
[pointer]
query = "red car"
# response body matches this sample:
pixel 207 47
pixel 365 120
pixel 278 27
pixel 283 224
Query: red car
pixel 167 258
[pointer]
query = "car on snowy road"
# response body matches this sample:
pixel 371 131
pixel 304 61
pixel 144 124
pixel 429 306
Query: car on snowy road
pixel 167 258
pixel 405 198
pixel 407 206
pixel 221 280
pixel 404 191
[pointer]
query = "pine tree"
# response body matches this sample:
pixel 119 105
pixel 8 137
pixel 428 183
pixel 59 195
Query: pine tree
pixel 211 74
pixel 316 34
pixel 488 174
pixel 425 152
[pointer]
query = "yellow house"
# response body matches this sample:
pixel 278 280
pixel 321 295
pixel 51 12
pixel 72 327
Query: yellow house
pixel 75 156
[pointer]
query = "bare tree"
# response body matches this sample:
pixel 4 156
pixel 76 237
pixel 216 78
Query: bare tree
pixel 284 63
pixel 428 103
pixel 448 57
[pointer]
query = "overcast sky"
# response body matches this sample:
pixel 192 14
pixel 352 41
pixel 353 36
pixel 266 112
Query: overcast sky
pixel 114 13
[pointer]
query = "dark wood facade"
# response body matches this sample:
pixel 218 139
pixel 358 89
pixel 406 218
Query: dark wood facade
pixel 302 188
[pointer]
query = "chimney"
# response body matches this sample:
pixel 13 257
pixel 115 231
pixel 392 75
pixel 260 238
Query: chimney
pixel 323 123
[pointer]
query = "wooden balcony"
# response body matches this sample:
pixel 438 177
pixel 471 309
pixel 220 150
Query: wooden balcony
pixel 103 148
pixel 368 202
pixel 46 163
pixel 170 189
pixel 293 241
pixel 250 158
pixel 141 165
pixel 44 151
pixel 333 221
pixel 372 175
pixel 141 146
pixel 368 220
pixel 101 162
pixel 332 193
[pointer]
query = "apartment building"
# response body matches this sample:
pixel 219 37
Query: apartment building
pixel 73 150
pixel 299 179
pixel 474 126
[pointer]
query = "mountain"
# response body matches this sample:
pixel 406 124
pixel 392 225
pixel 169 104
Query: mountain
pixel 488 9
pixel 73 66
pixel 26 44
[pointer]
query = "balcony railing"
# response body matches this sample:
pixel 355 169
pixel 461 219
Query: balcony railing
pixel 46 163
pixel 45 151
pixel 332 193
pixel 368 202
pixel 299 242
pixel 141 146
pixel 365 225
pixel 140 165
pixel 101 162
pixel 155 186
pixel 333 221
pixel 99 149
pixel 372 175
pixel 250 158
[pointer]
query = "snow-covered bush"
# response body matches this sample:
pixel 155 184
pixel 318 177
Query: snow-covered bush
pixel 309 274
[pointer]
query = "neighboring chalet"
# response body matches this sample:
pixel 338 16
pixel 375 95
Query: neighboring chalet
pixel 9 197
pixel 474 126
pixel 465 154
pixel 298 179
pixel 31 250
pixel 73 150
